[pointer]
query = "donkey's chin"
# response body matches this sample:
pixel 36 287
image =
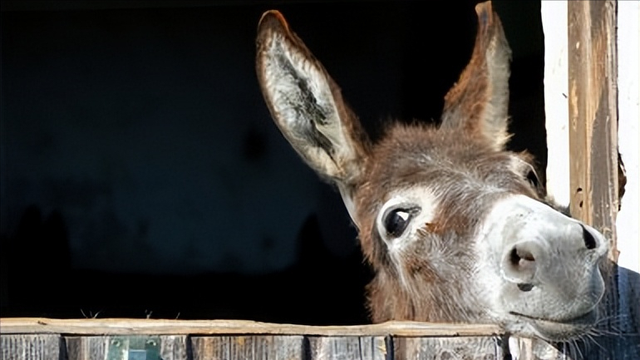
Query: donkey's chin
pixel 551 329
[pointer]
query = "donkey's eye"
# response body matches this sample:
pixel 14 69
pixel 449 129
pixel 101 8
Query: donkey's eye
pixel 396 221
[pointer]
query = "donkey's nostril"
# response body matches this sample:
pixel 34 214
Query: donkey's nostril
pixel 519 264
pixel 525 287
pixel 519 257
pixel 514 257
pixel 589 241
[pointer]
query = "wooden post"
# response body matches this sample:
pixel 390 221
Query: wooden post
pixel 596 176
pixel 593 115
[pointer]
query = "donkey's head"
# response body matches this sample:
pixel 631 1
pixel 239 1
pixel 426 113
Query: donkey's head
pixel 456 228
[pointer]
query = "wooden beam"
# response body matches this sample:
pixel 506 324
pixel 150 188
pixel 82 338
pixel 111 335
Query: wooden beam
pixel 593 115
pixel 232 327
pixel 597 179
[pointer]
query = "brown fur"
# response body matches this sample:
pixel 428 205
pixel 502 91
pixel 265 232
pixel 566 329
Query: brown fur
pixel 459 170
pixel 401 161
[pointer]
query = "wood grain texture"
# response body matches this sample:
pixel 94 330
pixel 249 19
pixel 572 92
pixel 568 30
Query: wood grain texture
pixel 349 347
pixel 31 347
pixel 593 115
pixel 248 347
pixel 231 327
pixel 312 347
pixel 533 349
pixel 175 347
pixel 87 347
pixel 593 102
pixel 462 348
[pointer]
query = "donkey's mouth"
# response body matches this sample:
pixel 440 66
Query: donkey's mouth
pixel 560 329
pixel 587 318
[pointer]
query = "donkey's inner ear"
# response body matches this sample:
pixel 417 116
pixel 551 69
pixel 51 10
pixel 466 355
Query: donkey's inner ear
pixel 479 101
pixel 305 102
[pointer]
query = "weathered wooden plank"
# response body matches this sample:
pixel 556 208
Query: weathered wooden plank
pixel 103 347
pixel 86 347
pixel 175 347
pixel 462 348
pixel 250 347
pixel 595 166
pixel 31 347
pixel 349 347
pixel 231 327
pixel 593 115
pixel 533 349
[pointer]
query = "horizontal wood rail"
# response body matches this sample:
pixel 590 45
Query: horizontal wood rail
pixel 232 327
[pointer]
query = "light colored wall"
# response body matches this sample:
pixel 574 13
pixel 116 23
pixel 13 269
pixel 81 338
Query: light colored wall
pixel 628 132
pixel 556 90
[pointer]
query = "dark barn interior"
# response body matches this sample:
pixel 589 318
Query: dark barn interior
pixel 141 173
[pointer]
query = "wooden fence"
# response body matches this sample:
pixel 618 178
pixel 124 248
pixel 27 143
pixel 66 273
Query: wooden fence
pixel 83 339
pixel 151 339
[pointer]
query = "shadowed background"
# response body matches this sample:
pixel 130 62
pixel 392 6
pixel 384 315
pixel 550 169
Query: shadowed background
pixel 141 174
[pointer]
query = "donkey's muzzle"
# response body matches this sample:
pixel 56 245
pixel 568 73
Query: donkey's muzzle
pixel 547 264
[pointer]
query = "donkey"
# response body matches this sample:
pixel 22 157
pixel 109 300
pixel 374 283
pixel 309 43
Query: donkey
pixel 455 227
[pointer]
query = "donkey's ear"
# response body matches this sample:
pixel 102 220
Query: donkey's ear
pixel 479 101
pixel 306 104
